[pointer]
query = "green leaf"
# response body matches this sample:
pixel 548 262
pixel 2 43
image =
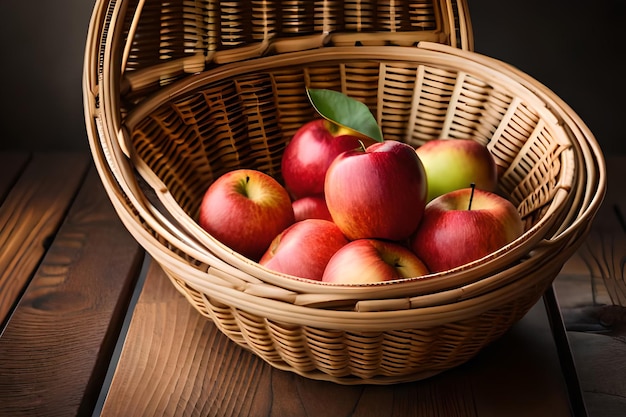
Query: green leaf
pixel 346 112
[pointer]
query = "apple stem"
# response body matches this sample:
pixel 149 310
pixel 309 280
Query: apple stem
pixel 242 186
pixel 473 187
pixel 362 145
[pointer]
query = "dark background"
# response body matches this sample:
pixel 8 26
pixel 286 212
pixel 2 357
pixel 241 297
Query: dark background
pixel 573 47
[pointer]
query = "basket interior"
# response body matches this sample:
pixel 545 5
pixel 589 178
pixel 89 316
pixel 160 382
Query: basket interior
pixel 194 106
pixel 245 115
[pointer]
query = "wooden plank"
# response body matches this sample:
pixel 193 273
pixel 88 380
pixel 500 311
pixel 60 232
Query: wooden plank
pixel 11 165
pixel 31 212
pixel 520 375
pixel 176 363
pixel 57 346
pixel 591 290
pixel 601 369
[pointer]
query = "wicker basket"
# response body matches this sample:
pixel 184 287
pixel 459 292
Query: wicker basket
pixel 178 93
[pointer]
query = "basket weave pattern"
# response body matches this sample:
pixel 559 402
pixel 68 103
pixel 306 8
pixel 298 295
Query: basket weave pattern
pixel 179 37
pixel 394 355
pixel 177 94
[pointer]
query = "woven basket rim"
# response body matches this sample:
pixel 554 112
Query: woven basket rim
pixel 291 281
pixel 285 311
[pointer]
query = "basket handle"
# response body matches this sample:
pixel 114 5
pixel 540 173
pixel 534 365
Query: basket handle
pixel 112 154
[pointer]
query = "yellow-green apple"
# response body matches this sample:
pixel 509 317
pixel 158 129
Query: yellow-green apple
pixel 372 260
pixel 304 248
pixel 245 209
pixel 310 152
pixel 464 225
pixel 452 164
pixel 311 207
pixel 377 192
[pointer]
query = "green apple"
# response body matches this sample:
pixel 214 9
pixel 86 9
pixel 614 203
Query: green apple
pixel 451 164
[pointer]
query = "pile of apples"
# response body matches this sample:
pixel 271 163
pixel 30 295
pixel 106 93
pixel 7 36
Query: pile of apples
pixel 355 208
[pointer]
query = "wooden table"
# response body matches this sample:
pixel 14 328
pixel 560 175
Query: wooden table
pixel 91 326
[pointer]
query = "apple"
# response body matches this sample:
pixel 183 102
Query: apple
pixel 310 152
pixel 451 164
pixel 377 192
pixel 245 209
pixel 453 232
pixel 311 207
pixel 372 260
pixel 304 248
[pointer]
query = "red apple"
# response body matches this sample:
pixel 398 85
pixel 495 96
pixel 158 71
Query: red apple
pixel 310 152
pixel 377 192
pixel 452 233
pixel 372 260
pixel 245 209
pixel 304 248
pixel 311 207
pixel 451 164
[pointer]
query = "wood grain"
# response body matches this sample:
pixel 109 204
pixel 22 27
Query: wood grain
pixel 11 166
pixel 57 345
pixel 176 363
pixel 32 212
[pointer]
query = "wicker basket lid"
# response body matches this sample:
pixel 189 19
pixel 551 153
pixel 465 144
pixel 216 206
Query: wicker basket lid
pixel 159 45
